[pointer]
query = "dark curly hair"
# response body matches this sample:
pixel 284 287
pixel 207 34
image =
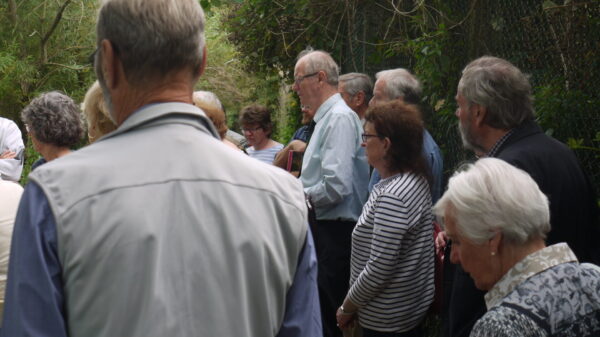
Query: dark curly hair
pixel 402 124
pixel 54 118
pixel 257 114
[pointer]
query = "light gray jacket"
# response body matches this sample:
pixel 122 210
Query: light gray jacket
pixel 164 231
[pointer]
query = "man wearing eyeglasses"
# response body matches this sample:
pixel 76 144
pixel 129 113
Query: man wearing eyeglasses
pixel 335 174
pixel 158 228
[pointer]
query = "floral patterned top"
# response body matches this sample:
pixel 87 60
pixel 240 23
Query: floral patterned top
pixel 548 293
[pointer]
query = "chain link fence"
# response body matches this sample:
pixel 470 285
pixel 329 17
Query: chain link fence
pixel 557 44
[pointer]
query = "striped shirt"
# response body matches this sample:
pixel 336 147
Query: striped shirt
pixel 265 155
pixel 391 277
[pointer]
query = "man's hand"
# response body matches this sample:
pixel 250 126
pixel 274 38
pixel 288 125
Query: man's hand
pixel 8 154
pixel 281 159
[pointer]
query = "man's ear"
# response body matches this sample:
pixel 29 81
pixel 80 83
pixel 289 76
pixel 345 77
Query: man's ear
pixel 479 113
pixel 203 64
pixel 111 64
pixel 359 98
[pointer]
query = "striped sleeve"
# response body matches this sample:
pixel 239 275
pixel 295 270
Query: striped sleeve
pixel 392 219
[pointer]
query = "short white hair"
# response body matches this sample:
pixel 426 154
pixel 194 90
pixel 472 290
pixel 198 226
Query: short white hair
pixel 209 98
pixel 317 60
pixel 400 83
pixel 492 195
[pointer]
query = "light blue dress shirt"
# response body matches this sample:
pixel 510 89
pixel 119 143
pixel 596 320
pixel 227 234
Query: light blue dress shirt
pixel 335 173
pixel 433 155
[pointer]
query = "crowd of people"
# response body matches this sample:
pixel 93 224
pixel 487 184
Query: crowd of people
pixel 170 224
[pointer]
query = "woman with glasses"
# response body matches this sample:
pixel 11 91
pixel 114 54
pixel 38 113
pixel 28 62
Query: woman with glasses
pixel 257 127
pixel 392 267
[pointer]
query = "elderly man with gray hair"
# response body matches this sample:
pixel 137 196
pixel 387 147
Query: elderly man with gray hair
pixel 158 229
pixel 356 90
pixel 335 174
pixel 401 84
pixel 497 218
pixel 496 117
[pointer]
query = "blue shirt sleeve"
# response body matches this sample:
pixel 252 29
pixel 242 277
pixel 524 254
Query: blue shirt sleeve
pixel 34 300
pixel 303 311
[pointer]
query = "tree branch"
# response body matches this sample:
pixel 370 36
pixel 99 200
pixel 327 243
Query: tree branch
pixel 12 12
pixel 55 23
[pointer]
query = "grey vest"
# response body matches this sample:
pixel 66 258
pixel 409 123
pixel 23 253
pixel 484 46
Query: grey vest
pixel 164 231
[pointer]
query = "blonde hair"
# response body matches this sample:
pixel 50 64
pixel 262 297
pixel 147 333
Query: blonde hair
pixel 216 115
pixel 96 113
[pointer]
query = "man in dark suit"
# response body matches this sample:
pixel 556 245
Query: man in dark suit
pixel 496 118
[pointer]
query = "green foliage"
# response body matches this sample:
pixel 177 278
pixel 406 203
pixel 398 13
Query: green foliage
pixel 44 46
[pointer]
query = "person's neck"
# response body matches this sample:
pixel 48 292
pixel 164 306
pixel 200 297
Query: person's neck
pixel 264 144
pixel 361 111
pixel 326 94
pixel 491 137
pixel 386 172
pixel 510 255
pixel 51 152
pixel 128 101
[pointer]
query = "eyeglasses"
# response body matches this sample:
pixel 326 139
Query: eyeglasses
pixel 92 57
pixel 299 79
pixel 250 130
pixel 366 136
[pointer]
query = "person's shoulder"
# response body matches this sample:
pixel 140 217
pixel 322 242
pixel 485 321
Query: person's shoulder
pixel 502 321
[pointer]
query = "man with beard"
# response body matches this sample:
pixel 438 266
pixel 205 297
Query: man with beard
pixel 496 119
pixel 158 229
pixel 335 174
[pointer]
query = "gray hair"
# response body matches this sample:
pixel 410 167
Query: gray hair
pixel 501 88
pixel 54 118
pixel 209 98
pixel 357 82
pixel 317 60
pixel 153 37
pixel 493 195
pixel 401 83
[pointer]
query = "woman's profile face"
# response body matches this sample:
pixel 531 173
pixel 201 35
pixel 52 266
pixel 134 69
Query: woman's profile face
pixel 374 146
pixel 475 259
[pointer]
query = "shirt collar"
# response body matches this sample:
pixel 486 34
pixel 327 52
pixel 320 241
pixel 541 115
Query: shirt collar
pixel 531 265
pixel 155 111
pixel 494 150
pixel 322 110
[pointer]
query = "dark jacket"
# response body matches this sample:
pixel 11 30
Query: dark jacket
pixel 573 217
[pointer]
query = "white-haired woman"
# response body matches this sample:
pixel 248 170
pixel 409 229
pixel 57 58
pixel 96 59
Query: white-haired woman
pixel 497 219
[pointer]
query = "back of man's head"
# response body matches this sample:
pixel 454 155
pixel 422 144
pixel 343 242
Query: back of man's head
pixel 501 88
pixel 153 38
pixel 400 83
pixel 317 60
pixel 357 82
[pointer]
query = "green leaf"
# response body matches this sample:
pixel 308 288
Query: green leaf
pixel 548 3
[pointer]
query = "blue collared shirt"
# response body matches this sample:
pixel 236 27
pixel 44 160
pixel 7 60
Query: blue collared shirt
pixel 432 154
pixel 35 299
pixel 335 173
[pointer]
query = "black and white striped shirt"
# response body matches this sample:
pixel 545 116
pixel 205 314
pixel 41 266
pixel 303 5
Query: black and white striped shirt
pixel 392 264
